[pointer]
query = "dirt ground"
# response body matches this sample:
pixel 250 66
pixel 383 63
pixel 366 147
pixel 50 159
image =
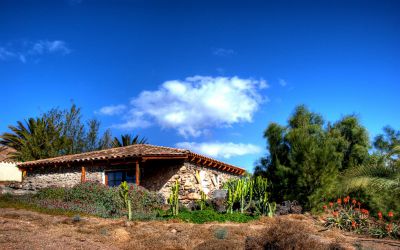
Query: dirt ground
pixel 22 229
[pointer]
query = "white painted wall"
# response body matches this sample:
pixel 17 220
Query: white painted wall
pixel 10 172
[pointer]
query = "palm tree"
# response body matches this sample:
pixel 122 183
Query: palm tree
pixel 127 140
pixel 35 139
pixel 382 173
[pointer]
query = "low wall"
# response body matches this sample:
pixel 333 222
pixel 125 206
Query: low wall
pixel 9 172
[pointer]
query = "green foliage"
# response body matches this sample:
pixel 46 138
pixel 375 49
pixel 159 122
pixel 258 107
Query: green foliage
pixel 173 199
pixel 348 215
pixel 127 140
pixel 261 194
pixel 57 132
pixel 271 209
pixel 208 215
pixel 203 200
pixel 379 178
pixel 124 194
pixel 51 193
pixel 247 192
pixel 385 143
pixel 306 158
pixel 96 199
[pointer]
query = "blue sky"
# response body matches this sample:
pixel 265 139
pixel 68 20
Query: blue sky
pixel 209 75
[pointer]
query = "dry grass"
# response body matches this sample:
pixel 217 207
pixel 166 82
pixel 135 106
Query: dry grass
pixel 22 229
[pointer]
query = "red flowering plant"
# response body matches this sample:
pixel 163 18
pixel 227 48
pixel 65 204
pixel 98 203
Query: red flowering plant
pixel 347 214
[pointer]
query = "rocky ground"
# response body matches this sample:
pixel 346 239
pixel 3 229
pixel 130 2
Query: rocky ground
pixel 22 229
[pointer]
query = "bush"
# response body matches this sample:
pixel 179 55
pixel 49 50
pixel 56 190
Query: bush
pixel 55 193
pixel 91 198
pixel 347 214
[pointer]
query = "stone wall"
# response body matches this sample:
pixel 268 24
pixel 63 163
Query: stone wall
pixel 211 179
pixel 38 178
pixel 95 174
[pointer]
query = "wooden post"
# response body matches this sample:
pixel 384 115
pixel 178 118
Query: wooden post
pixel 83 175
pixel 137 173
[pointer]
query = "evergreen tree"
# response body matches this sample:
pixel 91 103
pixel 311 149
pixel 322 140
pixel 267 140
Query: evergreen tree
pixel 305 157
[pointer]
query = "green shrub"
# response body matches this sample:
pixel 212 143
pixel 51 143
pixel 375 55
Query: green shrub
pixel 89 198
pixel 55 193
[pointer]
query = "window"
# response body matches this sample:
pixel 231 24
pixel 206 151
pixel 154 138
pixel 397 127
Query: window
pixel 114 178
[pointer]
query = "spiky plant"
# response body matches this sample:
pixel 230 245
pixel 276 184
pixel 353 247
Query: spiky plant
pixel 173 199
pixel 382 173
pixel 261 194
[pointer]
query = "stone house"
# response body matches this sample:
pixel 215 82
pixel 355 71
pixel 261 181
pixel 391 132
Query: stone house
pixel 153 167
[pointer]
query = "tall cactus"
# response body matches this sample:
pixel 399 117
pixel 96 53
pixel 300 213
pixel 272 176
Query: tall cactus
pixel 246 192
pixel 124 193
pixel 173 199
pixel 261 194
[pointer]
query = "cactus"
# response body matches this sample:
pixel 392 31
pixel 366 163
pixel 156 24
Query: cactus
pixel 246 192
pixel 271 209
pixel 202 201
pixel 124 193
pixel 173 199
pixel 230 201
pixel 261 194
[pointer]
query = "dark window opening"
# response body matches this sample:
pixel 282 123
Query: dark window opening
pixel 116 177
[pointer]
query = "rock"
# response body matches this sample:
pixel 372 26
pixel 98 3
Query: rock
pixel 219 194
pixel 288 207
pixel 218 200
pixel 193 196
pixel 174 231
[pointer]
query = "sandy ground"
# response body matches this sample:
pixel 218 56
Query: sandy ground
pixel 22 229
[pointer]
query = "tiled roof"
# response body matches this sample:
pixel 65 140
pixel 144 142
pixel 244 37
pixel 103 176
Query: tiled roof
pixel 133 151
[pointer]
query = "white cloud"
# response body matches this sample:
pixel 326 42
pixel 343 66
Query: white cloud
pixel 23 51
pixel 5 54
pixel 282 82
pixel 223 52
pixel 193 105
pixel 112 110
pixel 46 46
pixel 221 149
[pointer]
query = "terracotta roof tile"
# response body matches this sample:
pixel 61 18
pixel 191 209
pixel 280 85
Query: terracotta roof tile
pixel 138 150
